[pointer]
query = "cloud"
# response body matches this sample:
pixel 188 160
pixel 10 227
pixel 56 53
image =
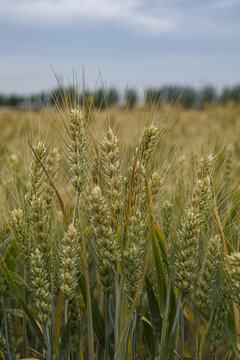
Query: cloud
pixel 153 17
pixel 222 4
pixel 124 12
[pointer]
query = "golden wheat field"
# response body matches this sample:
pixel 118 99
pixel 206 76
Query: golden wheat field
pixel 119 233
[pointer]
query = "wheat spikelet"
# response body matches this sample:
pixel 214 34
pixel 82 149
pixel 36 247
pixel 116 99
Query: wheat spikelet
pixel 133 255
pixel 41 286
pixel 156 183
pixel 187 248
pixel 106 249
pixel 233 271
pixel 148 142
pixel 37 175
pixel 40 224
pixel 52 166
pixel 77 149
pixel 205 166
pixel 69 263
pixel 207 272
pixel 18 226
pixel 188 242
pixel 111 170
pixel 167 217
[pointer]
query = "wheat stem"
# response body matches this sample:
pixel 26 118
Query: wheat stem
pixel 197 334
pixel 89 316
pixel 182 330
pixel 6 328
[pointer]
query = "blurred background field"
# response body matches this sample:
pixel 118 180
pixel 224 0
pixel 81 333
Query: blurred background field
pixel 188 131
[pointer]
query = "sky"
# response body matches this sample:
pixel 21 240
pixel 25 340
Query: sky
pixel 121 43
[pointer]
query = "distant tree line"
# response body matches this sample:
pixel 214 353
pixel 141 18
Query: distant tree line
pixel 187 96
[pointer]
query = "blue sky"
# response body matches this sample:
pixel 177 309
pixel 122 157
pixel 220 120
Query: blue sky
pixel 134 43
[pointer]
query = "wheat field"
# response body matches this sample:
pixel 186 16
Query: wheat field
pixel 119 233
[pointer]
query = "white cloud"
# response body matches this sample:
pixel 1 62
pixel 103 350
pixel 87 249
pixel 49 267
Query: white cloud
pixel 124 12
pixel 146 16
